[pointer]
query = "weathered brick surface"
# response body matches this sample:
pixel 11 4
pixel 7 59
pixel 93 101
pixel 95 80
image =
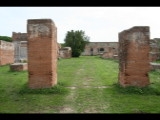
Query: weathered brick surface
pixel 6 52
pixel 42 53
pixel 18 66
pixel 134 56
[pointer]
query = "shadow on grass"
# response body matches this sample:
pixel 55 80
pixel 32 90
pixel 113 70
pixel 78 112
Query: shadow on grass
pixel 148 90
pixel 57 89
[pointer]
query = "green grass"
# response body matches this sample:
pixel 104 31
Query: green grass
pixel 87 84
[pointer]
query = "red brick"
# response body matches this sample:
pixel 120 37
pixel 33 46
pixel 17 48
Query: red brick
pixel 42 53
pixel 134 56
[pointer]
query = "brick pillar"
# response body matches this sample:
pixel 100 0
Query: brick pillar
pixel 42 53
pixel 134 56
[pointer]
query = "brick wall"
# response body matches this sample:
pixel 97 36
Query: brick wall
pixel 6 52
pixel 19 36
pixel 20 43
pixel 42 53
pixel 134 56
pixel 94 48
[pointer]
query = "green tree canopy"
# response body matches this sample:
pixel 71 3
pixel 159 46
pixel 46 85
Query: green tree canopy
pixel 6 38
pixel 77 41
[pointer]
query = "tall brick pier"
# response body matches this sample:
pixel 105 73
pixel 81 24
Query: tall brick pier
pixel 134 56
pixel 42 53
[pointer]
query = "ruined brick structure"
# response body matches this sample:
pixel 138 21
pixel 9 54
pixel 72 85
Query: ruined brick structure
pixel 134 56
pixel 65 52
pixel 42 53
pixel 20 44
pixel 154 49
pixel 110 53
pixel 105 49
pixel 19 36
pixel 6 52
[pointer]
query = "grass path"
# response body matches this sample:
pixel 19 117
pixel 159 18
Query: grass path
pixel 87 85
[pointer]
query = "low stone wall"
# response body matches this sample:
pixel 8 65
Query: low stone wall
pixel 115 57
pixel 154 66
pixel 18 66
pixel 65 52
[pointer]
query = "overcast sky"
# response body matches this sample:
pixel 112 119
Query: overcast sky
pixel 101 24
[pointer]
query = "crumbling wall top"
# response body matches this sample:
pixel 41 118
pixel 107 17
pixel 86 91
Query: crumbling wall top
pixel 39 21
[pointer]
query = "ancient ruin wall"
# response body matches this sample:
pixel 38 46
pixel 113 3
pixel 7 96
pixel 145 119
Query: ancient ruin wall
pixel 19 36
pixel 134 56
pixel 6 52
pixel 154 49
pixel 42 53
pixel 20 44
pixel 93 48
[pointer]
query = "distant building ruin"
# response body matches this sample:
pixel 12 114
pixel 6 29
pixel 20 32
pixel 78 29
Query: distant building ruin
pixel 104 49
pixel 20 44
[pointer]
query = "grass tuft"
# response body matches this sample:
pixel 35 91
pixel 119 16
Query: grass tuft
pixel 148 90
pixel 57 89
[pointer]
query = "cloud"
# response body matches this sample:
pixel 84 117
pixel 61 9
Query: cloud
pixel 99 23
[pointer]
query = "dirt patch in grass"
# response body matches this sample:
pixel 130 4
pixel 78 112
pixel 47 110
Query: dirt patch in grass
pixel 66 110
pixel 87 86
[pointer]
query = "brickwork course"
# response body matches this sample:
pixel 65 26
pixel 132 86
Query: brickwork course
pixel 134 56
pixel 42 53
pixel 6 52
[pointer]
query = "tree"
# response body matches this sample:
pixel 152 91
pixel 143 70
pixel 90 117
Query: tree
pixel 77 41
pixel 6 38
